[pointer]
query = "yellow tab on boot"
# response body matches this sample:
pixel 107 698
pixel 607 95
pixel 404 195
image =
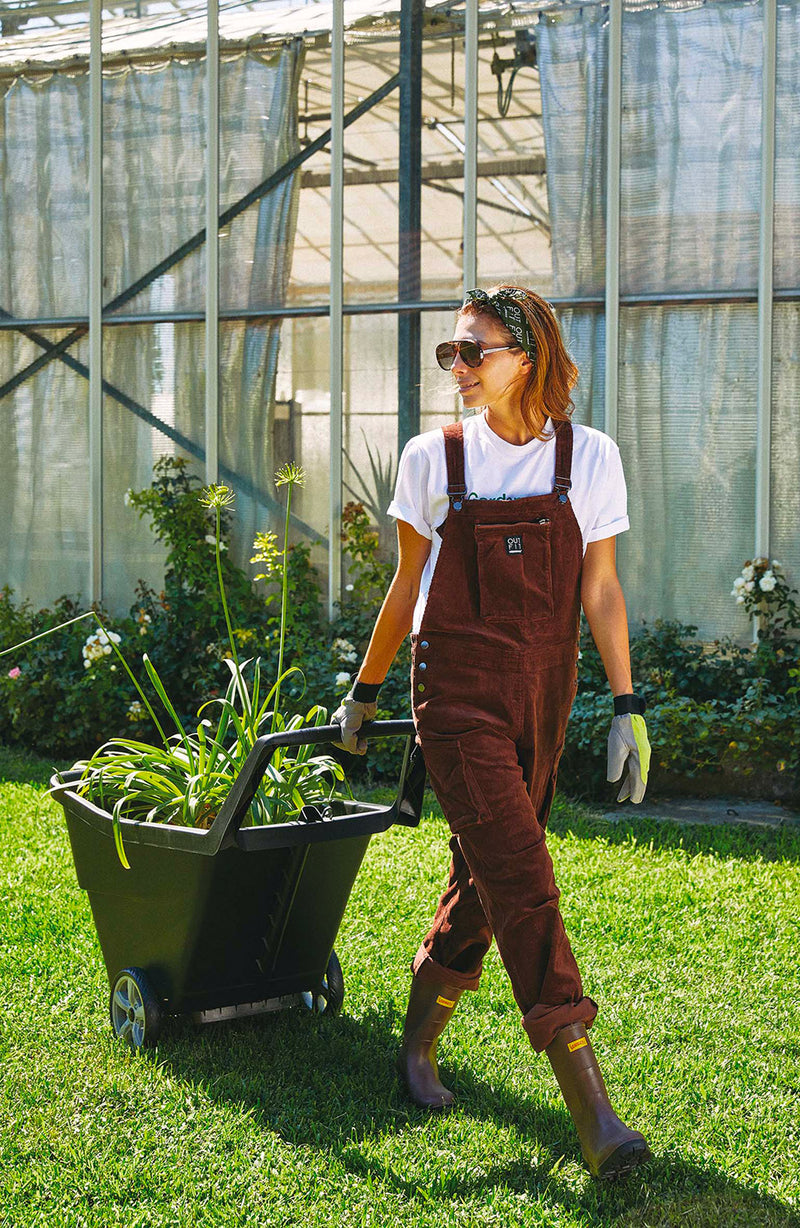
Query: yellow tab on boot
pixel 577 1044
pixel 440 1001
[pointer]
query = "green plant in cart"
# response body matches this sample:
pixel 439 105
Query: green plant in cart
pixel 185 778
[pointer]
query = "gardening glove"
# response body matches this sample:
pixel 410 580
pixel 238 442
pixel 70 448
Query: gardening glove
pixel 357 709
pixel 628 747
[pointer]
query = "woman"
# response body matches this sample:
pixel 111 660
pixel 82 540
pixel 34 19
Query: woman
pixel 506 525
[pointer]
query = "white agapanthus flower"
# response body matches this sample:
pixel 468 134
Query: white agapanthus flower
pixel 342 679
pixel 98 645
pixel 767 582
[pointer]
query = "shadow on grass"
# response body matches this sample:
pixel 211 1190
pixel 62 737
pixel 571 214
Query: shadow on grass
pixel 743 843
pixel 331 1084
pixel 17 766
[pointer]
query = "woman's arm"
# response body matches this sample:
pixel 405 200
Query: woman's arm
pixel 394 620
pixel 604 607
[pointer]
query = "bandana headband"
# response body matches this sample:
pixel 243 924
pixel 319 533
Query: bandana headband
pixel 506 305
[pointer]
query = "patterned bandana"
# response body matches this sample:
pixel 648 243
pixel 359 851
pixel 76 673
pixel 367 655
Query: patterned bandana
pixel 506 304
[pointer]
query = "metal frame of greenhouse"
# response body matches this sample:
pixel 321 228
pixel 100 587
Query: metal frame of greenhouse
pixel 410 301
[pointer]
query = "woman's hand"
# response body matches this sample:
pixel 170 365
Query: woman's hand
pixel 391 628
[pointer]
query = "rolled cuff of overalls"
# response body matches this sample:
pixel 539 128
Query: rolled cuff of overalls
pixel 427 969
pixel 542 1022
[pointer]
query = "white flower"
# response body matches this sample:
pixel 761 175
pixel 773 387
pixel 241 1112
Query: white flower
pixel 86 664
pixel 348 588
pixel 749 586
pixel 116 639
pixel 740 600
pixel 738 583
pixel 127 497
pixel 342 679
pixel 776 565
pixel 748 572
pixel 767 582
pixel 210 539
pixel 351 657
pixel 113 669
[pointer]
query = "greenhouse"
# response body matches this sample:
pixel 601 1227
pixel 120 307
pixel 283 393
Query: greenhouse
pixel 357 166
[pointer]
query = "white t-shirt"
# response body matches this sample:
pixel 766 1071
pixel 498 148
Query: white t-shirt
pixel 496 469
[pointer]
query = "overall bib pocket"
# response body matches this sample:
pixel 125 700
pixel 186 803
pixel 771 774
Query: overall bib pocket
pixel 514 571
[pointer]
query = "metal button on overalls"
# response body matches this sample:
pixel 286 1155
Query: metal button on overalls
pixel 500 632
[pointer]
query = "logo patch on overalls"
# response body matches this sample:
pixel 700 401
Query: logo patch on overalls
pixel 514 545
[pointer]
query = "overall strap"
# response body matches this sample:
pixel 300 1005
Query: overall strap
pixel 563 482
pixel 454 455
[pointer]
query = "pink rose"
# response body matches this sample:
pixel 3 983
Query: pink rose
pixel 15 672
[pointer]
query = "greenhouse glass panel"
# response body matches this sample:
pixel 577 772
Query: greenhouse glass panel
pixel 784 484
pixel 153 407
pixel 786 266
pixel 44 472
pixel 687 434
pixel 258 135
pixel 154 137
pixel 513 214
pixel 691 149
pixel 44 180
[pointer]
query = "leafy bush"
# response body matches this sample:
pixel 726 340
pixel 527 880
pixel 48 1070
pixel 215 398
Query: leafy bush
pixel 718 715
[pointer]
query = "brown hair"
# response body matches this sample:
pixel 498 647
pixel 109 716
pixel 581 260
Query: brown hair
pixel 548 389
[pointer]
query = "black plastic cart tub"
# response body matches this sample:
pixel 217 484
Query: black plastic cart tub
pixel 230 921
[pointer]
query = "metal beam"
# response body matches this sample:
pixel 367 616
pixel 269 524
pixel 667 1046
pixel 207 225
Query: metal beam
pixel 490 168
pixel 212 246
pixel 470 240
pixel 409 276
pixel 96 302
pixel 337 302
pixel 612 216
pixel 765 280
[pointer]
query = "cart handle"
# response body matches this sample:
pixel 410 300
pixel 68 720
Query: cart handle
pixel 244 787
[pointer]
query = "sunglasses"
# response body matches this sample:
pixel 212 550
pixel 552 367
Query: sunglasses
pixel 472 353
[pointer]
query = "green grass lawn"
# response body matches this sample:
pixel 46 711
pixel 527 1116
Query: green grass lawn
pixel 687 938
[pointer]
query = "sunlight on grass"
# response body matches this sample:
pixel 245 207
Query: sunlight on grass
pixel 687 938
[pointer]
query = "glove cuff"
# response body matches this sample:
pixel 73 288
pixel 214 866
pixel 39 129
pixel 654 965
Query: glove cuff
pixel 624 704
pixel 365 692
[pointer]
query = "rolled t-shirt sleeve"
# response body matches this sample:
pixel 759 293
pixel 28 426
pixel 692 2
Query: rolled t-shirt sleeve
pixel 609 498
pixel 411 502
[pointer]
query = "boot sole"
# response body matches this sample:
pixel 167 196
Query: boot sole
pixel 624 1160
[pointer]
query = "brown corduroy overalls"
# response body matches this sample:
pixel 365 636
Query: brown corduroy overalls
pixel 494 675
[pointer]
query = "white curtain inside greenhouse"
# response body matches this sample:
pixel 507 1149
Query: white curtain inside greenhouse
pixel 153 201
pixel 690 190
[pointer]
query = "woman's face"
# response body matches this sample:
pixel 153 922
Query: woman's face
pixel 500 378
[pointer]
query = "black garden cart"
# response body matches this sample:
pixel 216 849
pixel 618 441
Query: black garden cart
pixel 234 920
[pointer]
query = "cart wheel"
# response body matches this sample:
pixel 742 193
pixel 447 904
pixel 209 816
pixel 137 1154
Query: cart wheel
pixel 135 1010
pixel 329 997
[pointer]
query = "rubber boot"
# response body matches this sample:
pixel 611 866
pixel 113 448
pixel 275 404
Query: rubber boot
pixel 609 1147
pixel 430 1007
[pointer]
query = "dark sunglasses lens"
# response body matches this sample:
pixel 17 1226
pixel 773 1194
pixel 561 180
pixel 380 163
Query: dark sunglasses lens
pixel 471 353
pixel 446 355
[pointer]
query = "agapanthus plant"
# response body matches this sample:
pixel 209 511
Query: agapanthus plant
pixel 184 778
